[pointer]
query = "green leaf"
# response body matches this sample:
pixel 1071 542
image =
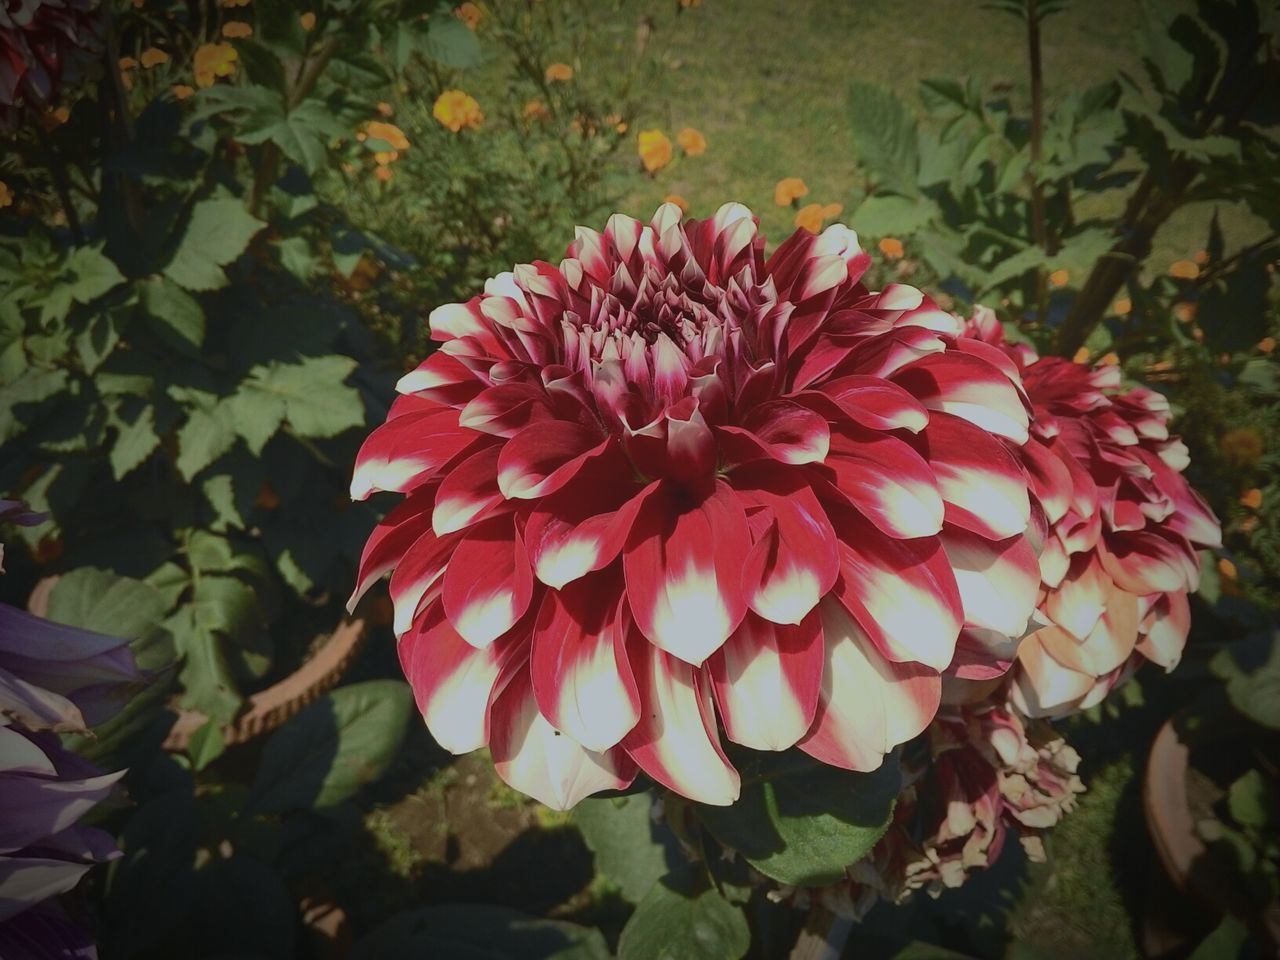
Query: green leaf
pixel 257 415
pixel 630 849
pixel 451 42
pixel 316 402
pixel 1251 669
pixel 96 341
pixel 32 387
pixel 467 931
pixel 93 274
pixel 802 823
pixel 884 137
pixel 1252 801
pixel 135 440
pixel 106 603
pixel 887 215
pixel 684 918
pixel 179 320
pixel 302 134
pixel 1227 942
pixel 207 435
pixel 206 745
pixel 206 675
pixel 331 749
pixel 226 605
pixel 218 232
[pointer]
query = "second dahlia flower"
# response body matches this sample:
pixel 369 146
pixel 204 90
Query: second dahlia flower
pixel 40 42
pixel 669 485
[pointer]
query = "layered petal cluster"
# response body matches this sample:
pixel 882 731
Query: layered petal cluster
pixel 1122 530
pixel 670 487
pixel 989 775
pixel 40 41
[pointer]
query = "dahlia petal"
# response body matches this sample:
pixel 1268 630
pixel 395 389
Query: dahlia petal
pixel 417 577
pixel 983 486
pixel 581 528
pixel 455 683
pixel 784 430
pixel 1165 629
pixel 998 580
pixel 535 758
pixel 676 741
pixel 1107 645
pixel 582 680
pixel 766 680
pixel 442 378
pixel 488 584
pixel 544 457
pixel 888 353
pixel 968 387
pixel 887 481
pixel 903 593
pixel 1077 603
pixel 868 705
pixel 407 450
pixel 468 492
pixel 392 538
pixel 683 565
pixel 1042 686
pixel 1143 562
pixel 1050 479
pixel 876 403
pixel 507 409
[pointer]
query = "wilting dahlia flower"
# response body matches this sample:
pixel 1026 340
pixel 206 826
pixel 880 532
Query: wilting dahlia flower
pixel 669 478
pixel 988 773
pixel 40 40
pixel 1123 529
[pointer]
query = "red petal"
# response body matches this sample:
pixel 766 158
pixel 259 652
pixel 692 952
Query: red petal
pixel 544 457
pixel 488 584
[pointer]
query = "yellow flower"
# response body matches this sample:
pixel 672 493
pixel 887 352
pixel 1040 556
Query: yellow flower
pixel 6 195
pixel 678 200
pixel 213 60
pixel 57 117
pixel 153 57
pixel 891 247
pixel 1184 270
pixel 1059 278
pixel 789 189
pixel 655 149
pixel 389 133
pixel 307 21
pixel 1081 355
pixel 181 91
pixel 457 110
pixel 237 30
pixel 469 14
pixel 384 157
pixel 1123 306
pixel 535 110
pixel 809 217
pixel 692 142
pixel 383 174
pixel 385 108
pixel 561 72
pixel 1251 499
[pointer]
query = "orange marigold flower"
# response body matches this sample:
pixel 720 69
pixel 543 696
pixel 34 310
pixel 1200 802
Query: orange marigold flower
pixel 655 149
pixel 1267 344
pixel 384 157
pixel 789 189
pixel 6 195
pixel 1251 499
pixel 383 174
pixel 832 210
pixel 237 30
pixel 1227 569
pixel 535 110
pixel 214 60
pixel 56 117
pixel 1059 278
pixel 1110 359
pixel 560 72
pixel 1201 257
pixel 678 200
pixel 469 14
pixel 615 120
pixel 1184 270
pixel 181 91
pixel 1081 355
pixel 1185 312
pixel 456 110
pixel 385 108
pixel 307 21
pixel 891 247
pixel 809 217
pixel 1123 306
pixel 127 64
pixel 1249 524
pixel 388 133
pixel 692 142
pixel 153 57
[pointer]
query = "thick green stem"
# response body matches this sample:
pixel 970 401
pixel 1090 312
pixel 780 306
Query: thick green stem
pixel 1039 220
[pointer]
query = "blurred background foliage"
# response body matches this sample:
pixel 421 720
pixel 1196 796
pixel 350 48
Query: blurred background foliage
pixel 218 247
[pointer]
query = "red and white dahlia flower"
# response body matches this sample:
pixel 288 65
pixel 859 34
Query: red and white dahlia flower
pixel 41 41
pixel 669 479
pixel 1123 528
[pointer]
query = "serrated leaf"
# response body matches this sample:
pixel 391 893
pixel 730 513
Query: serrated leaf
pixel 206 436
pixel 178 317
pixel 206 676
pixel 30 388
pixel 449 41
pixel 257 415
pixel 331 749
pixel 630 849
pixel 802 823
pixel 884 137
pixel 316 402
pixel 684 918
pixel 96 341
pixel 92 272
pixel 135 440
pixel 206 745
pixel 226 606
pixel 218 232
pixel 887 215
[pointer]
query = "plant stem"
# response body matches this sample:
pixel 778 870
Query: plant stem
pixel 1039 221
pixel 823 936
